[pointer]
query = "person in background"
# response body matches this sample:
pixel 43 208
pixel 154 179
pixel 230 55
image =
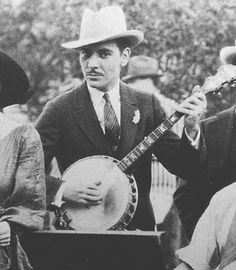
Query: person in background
pixel 213 244
pixel 22 192
pixel 144 74
pixel 213 239
pixel 192 197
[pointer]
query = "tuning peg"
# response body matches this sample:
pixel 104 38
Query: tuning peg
pixel 233 84
pixel 217 92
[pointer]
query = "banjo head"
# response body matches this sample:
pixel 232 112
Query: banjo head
pixel 120 195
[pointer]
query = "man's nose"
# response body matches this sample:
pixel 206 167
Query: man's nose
pixel 93 61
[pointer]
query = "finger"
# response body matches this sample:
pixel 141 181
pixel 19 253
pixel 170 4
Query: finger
pixel 196 88
pixel 194 107
pixel 93 192
pixel 4 244
pixel 4 236
pixel 201 97
pixel 94 202
pixel 194 104
pixel 189 111
pixel 91 197
pixel 5 241
pixel 196 98
pixel 93 187
pixel 98 182
pixel 89 202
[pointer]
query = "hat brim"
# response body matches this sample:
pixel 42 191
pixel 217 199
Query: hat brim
pixel 130 77
pixel 228 55
pixel 134 37
pixel 14 82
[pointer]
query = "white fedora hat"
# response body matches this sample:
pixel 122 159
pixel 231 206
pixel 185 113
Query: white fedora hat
pixel 228 55
pixel 106 24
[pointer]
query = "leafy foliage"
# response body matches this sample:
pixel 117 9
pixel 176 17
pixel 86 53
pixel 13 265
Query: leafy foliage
pixel 185 37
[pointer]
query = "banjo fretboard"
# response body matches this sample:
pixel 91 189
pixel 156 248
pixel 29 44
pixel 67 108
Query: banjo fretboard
pixel 148 141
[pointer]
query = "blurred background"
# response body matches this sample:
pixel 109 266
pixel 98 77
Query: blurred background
pixel 185 37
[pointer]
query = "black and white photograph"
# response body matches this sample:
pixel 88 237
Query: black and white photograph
pixel 117 135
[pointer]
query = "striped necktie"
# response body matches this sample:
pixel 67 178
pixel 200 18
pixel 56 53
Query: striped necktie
pixel 112 128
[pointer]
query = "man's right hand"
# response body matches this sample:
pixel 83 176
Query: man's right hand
pixel 85 193
pixel 5 234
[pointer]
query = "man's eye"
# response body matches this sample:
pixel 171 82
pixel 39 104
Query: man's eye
pixel 84 54
pixel 104 54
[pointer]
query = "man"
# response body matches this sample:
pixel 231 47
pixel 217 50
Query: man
pixel 192 197
pixel 214 236
pixel 72 126
pixel 78 123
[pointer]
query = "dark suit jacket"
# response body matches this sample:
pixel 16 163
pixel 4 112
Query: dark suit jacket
pixel 70 130
pixel 218 158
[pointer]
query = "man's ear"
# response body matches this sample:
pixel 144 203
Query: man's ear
pixel 125 57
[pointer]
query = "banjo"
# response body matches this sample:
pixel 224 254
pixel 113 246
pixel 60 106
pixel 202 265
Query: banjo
pixel 120 192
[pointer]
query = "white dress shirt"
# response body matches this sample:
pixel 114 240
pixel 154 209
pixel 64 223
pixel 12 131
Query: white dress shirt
pixel 211 232
pixel 99 102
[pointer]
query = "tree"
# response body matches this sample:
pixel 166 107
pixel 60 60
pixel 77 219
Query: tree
pixel 184 37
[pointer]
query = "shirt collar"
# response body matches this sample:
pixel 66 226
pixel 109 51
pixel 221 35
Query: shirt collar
pixel 97 95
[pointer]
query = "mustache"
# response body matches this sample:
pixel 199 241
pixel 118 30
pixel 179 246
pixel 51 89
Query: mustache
pixel 93 72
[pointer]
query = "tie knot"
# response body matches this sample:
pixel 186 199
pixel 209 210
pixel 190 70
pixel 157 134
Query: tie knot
pixel 106 96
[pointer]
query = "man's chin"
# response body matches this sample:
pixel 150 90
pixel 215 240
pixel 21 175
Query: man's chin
pixel 96 85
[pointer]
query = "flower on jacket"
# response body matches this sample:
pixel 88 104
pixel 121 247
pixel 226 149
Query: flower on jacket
pixel 136 117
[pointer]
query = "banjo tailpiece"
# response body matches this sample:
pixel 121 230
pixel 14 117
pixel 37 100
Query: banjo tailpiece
pixel 61 220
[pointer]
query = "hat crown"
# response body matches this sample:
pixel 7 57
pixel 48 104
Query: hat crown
pixel 142 65
pixel 106 22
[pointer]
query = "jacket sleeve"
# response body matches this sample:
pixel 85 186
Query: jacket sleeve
pixel 48 128
pixel 190 201
pixel 177 155
pixel 27 203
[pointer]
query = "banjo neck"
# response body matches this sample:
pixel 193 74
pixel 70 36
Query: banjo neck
pixel 148 141
pixel 226 75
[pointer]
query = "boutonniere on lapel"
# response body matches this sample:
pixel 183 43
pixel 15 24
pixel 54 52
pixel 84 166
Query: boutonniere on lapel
pixel 136 117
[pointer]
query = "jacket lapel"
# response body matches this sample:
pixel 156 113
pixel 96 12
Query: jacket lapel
pixel 128 127
pixel 86 117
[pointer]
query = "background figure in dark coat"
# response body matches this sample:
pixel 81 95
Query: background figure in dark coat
pixel 218 161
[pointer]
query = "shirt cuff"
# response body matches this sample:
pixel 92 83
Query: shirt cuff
pixel 188 256
pixel 57 200
pixel 195 143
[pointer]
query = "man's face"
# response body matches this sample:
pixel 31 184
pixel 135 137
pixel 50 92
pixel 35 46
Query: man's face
pixel 101 64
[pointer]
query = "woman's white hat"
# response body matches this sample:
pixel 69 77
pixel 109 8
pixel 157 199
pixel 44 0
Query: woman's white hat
pixel 106 24
pixel 228 55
